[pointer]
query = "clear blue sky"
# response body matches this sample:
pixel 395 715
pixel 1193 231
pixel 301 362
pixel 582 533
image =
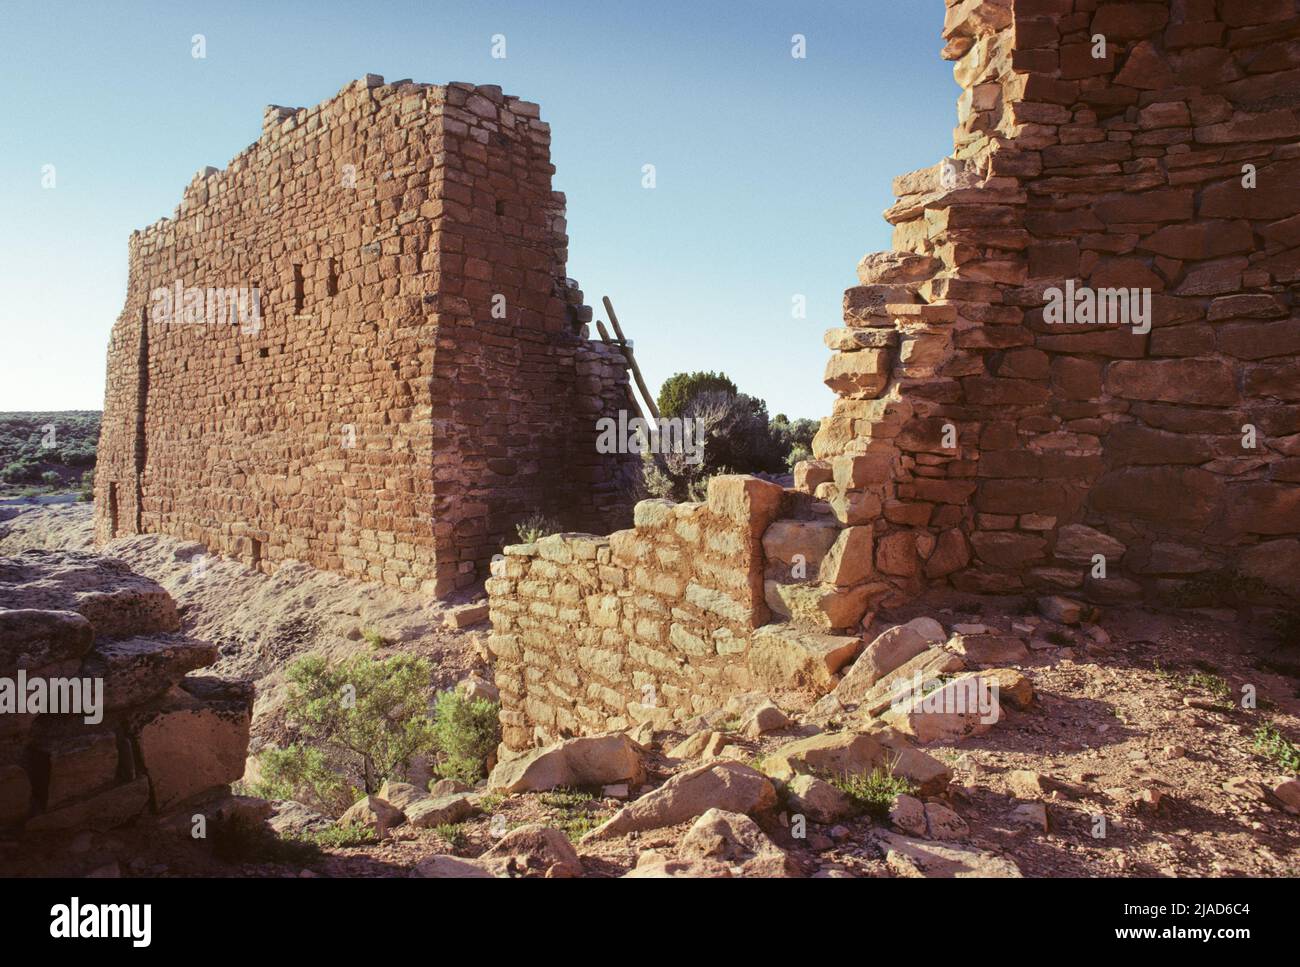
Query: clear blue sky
pixel 772 171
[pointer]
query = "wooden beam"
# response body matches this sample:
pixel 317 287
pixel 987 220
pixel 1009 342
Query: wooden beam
pixel 631 358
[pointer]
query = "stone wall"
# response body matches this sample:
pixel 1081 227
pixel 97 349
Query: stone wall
pixel 167 739
pixel 1007 450
pixel 420 377
pixel 975 442
pixel 649 624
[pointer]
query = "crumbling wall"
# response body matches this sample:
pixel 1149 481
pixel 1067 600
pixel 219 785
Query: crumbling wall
pixel 653 623
pixel 395 406
pixel 1146 146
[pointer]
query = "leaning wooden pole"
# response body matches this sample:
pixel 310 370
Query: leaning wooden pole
pixel 631 394
pixel 631 358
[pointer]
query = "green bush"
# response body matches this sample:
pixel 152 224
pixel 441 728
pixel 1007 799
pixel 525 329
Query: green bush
pixel 679 389
pixel 466 734
pixel 872 794
pixel 360 721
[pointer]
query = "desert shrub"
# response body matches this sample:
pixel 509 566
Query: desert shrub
pixel 452 834
pixel 1277 748
pixel 465 733
pixel 304 773
pixel 872 794
pixel 88 487
pixel 337 836
pixel 536 526
pixel 375 638
pixel 359 721
pixel 679 389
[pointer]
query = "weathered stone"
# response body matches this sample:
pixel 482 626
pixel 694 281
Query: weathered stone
pixel 730 786
pixel 439 810
pixel 586 761
pixel 532 850
pixel 918 858
pixel 817 799
pixel 735 840
pixel 372 813
pixel 783 656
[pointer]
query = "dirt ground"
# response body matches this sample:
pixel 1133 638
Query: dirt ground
pixel 1146 733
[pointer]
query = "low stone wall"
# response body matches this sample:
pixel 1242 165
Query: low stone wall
pixel 654 623
pixel 164 739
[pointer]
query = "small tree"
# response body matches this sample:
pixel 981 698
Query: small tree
pixel 679 389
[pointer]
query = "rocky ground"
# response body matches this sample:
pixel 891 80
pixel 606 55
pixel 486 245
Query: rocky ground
pixel 1130 743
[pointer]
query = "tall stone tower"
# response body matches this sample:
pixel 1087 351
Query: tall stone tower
pixel 356 346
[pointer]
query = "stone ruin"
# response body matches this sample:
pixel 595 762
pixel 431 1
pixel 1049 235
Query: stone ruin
pixel 167 741
pixel 987 437
pixel 356 347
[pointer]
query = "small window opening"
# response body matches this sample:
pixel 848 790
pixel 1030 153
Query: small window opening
pixel 254 551
pixel 263 352
pixel 298 290
pixel 501 208
pixel 332 279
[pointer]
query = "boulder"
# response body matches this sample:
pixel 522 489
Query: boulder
pixel 907 815
pixel 967 705
pixel 782 656
pixel 190 746
pixel 443 866
pixel 1063 610
pixel 77 766
pixel 136 670
pixel 705 743
pixel 913 673
pixel 911 857
pixel 291 818
pixel 372 813
pixel 730 786
pixel 735 839
pixel 105 810
pixel 32 638
pixel 817 799
pixel 532 851
pixel 438 810
pixel 942 823
pixel 596 760
pixel 857 753
pixel 821 607
pixel 401 794
pixel 886 653
pixel 989 649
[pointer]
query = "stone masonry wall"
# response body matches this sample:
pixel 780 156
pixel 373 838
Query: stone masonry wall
pixel 421 363
pixel 975 443
pixel 653 623
pixel 1169 164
